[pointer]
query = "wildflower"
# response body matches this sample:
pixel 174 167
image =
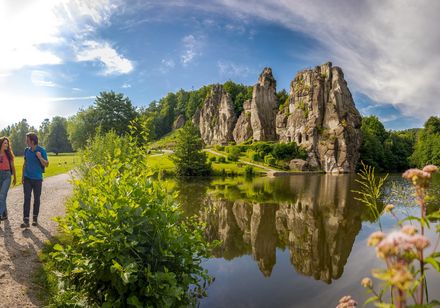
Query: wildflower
pixel 430 168
pixel 375 238
pixel 346 302
pixel 410 230
pixel 388 208
pixel 420 242
pixel 400 276
pixel 418 177
pixel 366 282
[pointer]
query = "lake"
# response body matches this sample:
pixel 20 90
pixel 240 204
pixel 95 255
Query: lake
pixel 291 241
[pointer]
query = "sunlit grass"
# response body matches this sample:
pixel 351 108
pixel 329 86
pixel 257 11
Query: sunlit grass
pixel 57 164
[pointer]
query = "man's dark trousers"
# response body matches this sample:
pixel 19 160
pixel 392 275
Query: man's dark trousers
pixel 30 185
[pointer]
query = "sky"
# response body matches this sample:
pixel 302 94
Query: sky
pixel 58 55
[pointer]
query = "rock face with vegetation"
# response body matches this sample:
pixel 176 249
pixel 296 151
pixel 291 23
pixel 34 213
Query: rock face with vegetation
pixel 217 118
pixel 321 117
pixel 258 117
pixel 243 129
pixel 264 107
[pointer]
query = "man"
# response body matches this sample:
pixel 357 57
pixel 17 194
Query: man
pixel 35 160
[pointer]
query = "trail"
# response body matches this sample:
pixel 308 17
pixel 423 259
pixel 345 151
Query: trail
pixel 19 248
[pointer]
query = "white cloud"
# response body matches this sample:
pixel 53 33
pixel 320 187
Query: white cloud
pixel 191 49
pixel 107 55
pixel 30 29
pixel 40 78
pixel 126 86
pixel 388 50
pixel 166 65
pixel 231 69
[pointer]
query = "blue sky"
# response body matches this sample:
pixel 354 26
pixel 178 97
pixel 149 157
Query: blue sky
pixel 56 56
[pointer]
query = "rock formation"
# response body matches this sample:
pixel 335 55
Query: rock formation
pixel 264 107
pixel 258 117
pixel 179 122
pixel 217 119
pixel 322 118
pixel 243 129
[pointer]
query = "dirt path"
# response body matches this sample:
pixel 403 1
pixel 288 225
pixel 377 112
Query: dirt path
pixel 19 247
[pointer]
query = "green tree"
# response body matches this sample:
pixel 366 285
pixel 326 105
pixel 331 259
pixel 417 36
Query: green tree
pixel 81 127
pixel 239 93
pixel 372 150
pixel 188 155
pixel 57 140
pixel 114 112
pixel 427 147
pixel 43 132
pixel 18 136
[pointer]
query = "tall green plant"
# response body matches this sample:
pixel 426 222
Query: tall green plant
pixel 370 193
pixel 128 243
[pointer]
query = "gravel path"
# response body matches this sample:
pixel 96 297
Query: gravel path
pixel 19 247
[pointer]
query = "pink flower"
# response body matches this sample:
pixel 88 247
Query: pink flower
pixel 366 282
pixel 375 238
pixel 430 168
pixel 346 302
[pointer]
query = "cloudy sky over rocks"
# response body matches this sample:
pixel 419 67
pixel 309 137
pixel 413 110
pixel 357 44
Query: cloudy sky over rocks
pixel 56 56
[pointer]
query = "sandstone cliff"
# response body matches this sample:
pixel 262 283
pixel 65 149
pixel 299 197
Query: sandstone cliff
pixel 217 119
pixel 258 117
pixel 322 118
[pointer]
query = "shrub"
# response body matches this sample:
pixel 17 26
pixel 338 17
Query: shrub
pixel 270 160
pixel 233 157
pixel 219 147
pixel 249 171
pixel 221 159
pixel 256 156
pixel 263 147
pixel 212 158
pixel 127 243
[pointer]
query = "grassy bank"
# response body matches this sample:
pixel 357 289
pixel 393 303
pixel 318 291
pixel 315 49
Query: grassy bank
pixel 164 164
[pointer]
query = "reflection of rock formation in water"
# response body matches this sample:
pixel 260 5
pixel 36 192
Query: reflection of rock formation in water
pixel 318 226
pixel 264 236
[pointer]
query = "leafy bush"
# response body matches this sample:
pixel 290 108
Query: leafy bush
pixel 249 171
pixel 127 242
pixel 221 159
pixel 256 156
pixel 270 160
pixel 212 158
pixel 219 147
pixel 263 147
pixel 233 157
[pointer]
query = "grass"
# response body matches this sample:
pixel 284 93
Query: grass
pixel 57 164
pixel 163 163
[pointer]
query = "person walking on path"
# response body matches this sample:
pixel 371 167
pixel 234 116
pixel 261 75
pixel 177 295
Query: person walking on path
pixel 7 168
pixel 35 160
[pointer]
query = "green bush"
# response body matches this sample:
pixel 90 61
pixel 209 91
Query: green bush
pixel 270 160
pixel 262 147
pixel 212 158
pixel 219 147
pixel 256 156
pixel 233 157
pixel 249 171
pixel 127 242
pixel 221 159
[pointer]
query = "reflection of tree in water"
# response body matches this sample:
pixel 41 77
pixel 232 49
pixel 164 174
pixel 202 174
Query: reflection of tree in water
pixel 318 225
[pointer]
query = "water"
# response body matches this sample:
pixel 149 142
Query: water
pixel 296 241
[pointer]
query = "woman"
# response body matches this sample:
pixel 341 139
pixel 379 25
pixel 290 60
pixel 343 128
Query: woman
pixel 6 169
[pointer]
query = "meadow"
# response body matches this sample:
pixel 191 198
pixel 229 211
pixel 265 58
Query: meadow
pixel 58 164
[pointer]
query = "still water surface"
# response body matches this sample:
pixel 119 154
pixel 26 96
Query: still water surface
pixel 294 241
